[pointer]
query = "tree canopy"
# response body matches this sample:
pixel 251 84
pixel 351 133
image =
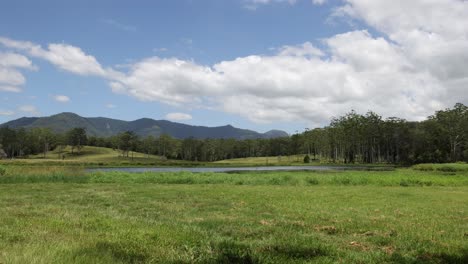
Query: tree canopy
pixel 351 138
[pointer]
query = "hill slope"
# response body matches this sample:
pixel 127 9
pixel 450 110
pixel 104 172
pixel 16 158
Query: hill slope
pixel 104 127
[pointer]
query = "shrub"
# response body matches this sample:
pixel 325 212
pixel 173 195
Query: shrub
pixel 424 167
pixel 312 181
pixel 447 169
pixel 2 171
pixel 306 159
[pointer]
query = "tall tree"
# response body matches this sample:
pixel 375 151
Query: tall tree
pixel 453 125
pixel 127 142
pixel 77 138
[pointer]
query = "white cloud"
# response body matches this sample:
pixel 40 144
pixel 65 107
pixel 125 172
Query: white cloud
pixel 304 50
pixel 298 83
pixel 433 35
pixel 11 77
pixel 30 109
pixel 417 64
pixel 15 61
pixel 72 59
pixel 110 106
pixel 61 98
pixel 171 81
pixel 178 116
pixel 6 113
pixel 65 57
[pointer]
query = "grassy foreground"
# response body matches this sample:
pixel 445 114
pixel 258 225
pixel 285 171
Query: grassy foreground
pixel 67 216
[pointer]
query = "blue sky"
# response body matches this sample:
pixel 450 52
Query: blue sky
pixel 253 64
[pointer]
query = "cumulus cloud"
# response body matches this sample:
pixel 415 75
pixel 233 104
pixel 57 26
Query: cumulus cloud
pixel 11 78
pixel 416 64
pixel 432 34
pixel 15 60
pixel 171 81
pixel 304 50
pixel 61 98
pixel 178 116
pixel 63 56
pixel 361 72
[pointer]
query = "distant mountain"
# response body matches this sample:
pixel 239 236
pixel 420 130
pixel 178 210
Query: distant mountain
pixel 104 127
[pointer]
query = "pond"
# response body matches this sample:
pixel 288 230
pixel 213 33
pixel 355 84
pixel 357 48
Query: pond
pixel 236 169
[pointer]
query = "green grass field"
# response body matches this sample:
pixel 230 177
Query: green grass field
pixel 64 215
pixel 106 157
pixel 96 156
pixel 93 154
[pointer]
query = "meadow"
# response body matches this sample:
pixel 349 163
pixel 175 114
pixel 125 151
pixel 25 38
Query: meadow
pixel 90 156
pixel 66 215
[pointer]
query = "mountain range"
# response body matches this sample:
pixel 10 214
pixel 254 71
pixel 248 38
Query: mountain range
pixel 105 127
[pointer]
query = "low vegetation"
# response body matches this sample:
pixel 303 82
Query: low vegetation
pixel 90 156
pixel 400 177
pixel 444 167
pixel 67 215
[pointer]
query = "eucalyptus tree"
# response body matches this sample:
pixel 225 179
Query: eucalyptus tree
pixel 396 138
pixel 127 142
pixel 149 145
pixel 8 139
pixel 453 127
pixel 77 138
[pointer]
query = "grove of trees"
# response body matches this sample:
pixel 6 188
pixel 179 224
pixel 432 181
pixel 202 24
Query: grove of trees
pixel 351 138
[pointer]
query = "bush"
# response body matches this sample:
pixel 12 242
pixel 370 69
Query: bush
pixel 312 181
pixel 447 169
pixel 424 167
pixel 2 171
pixel 443 167
pixel 306 159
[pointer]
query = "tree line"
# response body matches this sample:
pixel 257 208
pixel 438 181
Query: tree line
pixel 351 138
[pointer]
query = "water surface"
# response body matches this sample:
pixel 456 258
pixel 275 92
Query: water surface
pixel 233 169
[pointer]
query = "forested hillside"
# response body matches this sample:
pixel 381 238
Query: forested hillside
pixel 106 127
pixel 352 138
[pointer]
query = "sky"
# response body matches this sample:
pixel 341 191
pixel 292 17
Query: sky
pixel 256 64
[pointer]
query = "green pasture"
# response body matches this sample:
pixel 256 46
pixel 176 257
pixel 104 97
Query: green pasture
pixel 65 215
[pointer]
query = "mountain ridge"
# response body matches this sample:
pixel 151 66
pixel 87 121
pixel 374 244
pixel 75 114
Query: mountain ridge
pixel 106 127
